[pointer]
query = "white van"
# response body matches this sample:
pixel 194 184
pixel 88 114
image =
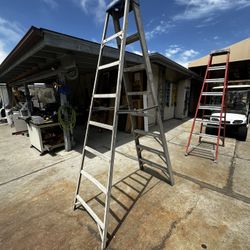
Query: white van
pixel 237 110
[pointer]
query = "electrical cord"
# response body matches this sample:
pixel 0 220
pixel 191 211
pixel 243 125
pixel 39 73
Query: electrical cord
pixel 67 117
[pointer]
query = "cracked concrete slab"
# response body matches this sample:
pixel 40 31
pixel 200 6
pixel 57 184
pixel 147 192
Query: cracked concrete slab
pixel 208 207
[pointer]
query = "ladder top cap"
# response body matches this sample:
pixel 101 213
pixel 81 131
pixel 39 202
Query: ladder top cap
pixel 220 52
pixel 117 6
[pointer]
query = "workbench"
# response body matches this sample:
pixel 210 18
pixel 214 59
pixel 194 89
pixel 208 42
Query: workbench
pixel 46 136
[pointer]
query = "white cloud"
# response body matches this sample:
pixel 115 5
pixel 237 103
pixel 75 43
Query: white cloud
pixel 173 49
pixel 180 55
pixel 162 28
pixel 10 30
pixel 94 7
pixel 10 34
pixel 196 9
pixel 3 53
pixel 51 3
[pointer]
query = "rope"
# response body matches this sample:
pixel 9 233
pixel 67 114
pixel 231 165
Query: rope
pixel 67 122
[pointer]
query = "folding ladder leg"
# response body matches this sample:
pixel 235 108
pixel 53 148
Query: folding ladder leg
pixel 128 98
pixel 115 123
pixel 90 110
pixel 222 108
pixel 151 85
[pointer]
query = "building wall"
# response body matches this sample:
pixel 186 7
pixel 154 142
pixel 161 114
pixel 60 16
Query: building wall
pixel 183 98
pixel 173 95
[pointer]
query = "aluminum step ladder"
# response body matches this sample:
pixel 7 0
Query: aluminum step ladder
pixel 118 10
pixel 215 76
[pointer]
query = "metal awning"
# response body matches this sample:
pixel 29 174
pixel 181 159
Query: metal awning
pixel 42 53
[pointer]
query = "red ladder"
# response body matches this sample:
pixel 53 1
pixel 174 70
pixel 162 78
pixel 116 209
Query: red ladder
pixel 205 108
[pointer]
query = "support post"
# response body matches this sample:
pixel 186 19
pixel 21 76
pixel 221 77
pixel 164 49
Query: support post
pixel 64 102
pixel 28 99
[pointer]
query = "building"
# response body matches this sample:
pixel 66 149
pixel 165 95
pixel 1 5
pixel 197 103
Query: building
pixel 239 68
pixel 47 56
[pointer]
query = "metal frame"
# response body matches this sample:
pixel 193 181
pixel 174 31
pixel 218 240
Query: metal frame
pixel 122 41
pixel 204 106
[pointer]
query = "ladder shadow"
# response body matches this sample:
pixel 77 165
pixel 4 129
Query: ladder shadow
pixel 124 196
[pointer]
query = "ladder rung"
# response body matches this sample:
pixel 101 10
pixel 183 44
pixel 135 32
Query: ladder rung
pixel 213 116
pixel 91 212
pixel 94 181
pixel 198 147
pixel 216 68
pixel 152 164
pixel 135 113
pixel 118 34
pixel 213 125
pixel 145 133
pixel 109 65
pixel 209 107
pixel 97 153
pixel 101 125
pixel 212 93
pixel 138 93
pixel 135 68
pixel 207 121
pixel 105 95
pixel 207 135
pixel 153 150
pixel 214 80
pixel 133 38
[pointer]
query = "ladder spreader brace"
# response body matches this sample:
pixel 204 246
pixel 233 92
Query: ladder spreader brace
pixel 208 120
pixel 118 9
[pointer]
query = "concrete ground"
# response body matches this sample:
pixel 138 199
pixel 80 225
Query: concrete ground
pixel 207 208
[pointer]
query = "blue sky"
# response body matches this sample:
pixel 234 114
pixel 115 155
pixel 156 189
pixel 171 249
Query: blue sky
pixel 182 30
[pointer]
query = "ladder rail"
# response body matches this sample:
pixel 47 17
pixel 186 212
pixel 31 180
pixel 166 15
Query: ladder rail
pixel 115 121
pixel 128 98
pixel 149 72
pixel 222 109
pixel 198 104
pixel 90 109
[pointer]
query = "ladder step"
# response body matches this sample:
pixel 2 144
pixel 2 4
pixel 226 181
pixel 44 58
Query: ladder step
pixel 91 212
pixel 214 116
pixel 212 68
pixel 211 125
pixel 97 153
pixel 204 149
pixel 152 164
pixel 216 80
pixel 109 65
pixel 204 122
pixel 105 95
pixel 209 107
pixel 94 181
pixel 135 113
pixel 118 34
pixel 101 125
pixel 153 150
pixel 207 135
pixel 133 38
pixel 145 133
pixel 220 52
pixel 212 93
pixel 135 68
pixel 138 93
